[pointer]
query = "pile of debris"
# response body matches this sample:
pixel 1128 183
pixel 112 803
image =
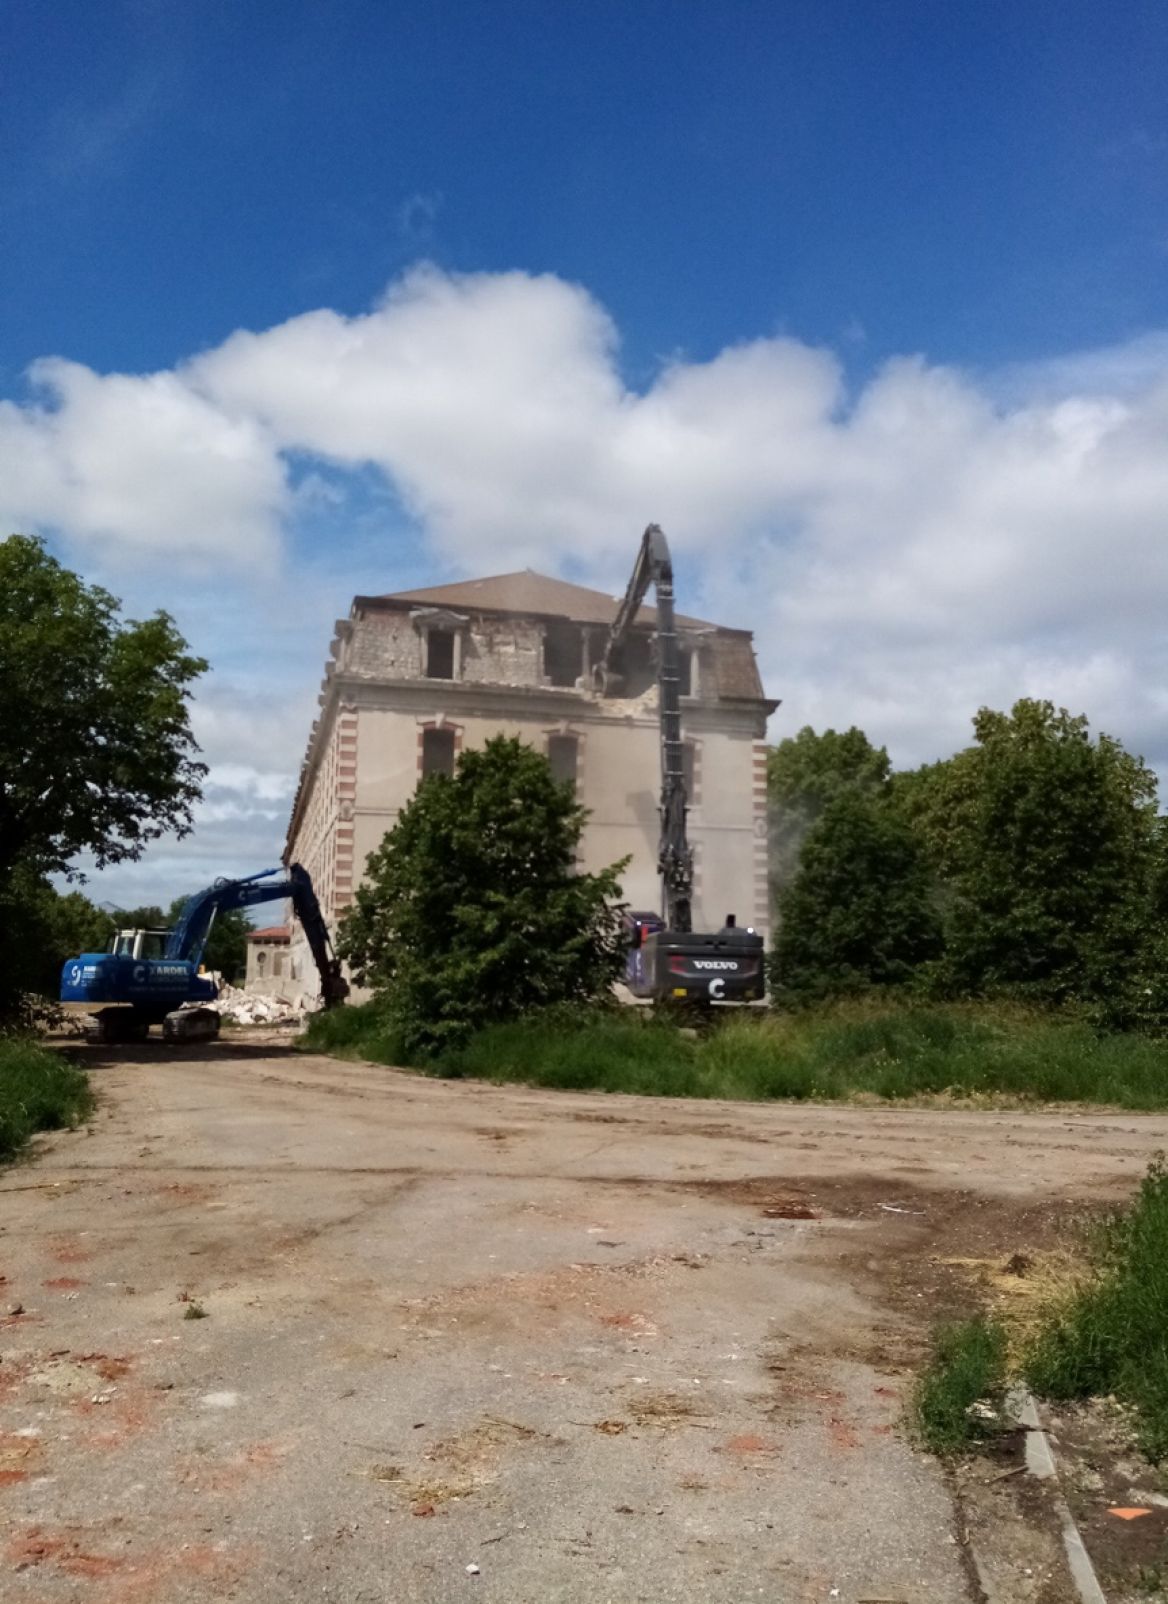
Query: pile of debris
pixel 250 1008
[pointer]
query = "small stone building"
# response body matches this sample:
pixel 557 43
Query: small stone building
pixel 416 677
pixel 269 964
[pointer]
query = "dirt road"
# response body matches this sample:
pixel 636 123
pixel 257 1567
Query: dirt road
pixel 598 1348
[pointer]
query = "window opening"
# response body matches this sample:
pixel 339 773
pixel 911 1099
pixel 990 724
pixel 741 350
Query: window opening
pixel 437 752
pixel 640 666
pixel 688 770
pixel 563 754
pixel 439 654
pixel 563 653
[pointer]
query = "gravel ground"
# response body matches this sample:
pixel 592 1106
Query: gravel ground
pixel 494 1343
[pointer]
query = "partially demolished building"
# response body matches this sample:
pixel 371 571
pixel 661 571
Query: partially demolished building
pixel 417 677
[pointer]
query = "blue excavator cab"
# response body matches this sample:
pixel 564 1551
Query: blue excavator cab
pixel 136 971
pixel 152 977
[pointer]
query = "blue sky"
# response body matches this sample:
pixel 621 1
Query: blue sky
pixel 868 301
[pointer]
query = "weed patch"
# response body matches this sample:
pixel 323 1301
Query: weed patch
pixel 357 1030
pixel 39 1091
pixel 958 1398
pixel 1110 1336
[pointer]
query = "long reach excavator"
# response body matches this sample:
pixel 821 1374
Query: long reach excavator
pixel 668 959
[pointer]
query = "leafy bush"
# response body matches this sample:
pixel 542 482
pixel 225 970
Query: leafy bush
pixel 1111 1335
pixel 968 1368
pixel 1050 859
pixel 804 773
pixel 1032 867
pixel 356 1030
pixel 39 1091
pixel 858 912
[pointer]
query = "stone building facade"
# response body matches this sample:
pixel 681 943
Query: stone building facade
pixel 270 970
pixel 417 677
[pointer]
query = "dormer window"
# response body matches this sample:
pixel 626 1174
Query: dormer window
pixel 441 634
pixel 691 666
pixel 563 653
pixel 439 654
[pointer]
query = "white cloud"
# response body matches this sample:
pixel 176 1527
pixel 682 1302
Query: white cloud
pixel 904 550
pixel 140 467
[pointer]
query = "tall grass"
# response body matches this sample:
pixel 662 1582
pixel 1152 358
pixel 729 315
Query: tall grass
pixel 39 1091
pixel 891 1051
pixel 1111 1335
pixel 968 1368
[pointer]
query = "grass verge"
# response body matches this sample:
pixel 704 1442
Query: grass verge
pixel 958 1398
pixel 1103 1333
pixel 39 1091
pixel 873 1048
pixel 1110 1336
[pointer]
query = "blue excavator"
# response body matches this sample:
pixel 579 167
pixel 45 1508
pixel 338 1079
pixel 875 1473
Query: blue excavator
pixel 152 977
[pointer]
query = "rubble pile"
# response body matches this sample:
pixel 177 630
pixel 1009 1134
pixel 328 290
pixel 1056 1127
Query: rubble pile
pixel 249 1008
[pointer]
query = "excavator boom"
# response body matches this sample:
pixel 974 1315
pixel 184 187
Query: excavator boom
pixel 654 566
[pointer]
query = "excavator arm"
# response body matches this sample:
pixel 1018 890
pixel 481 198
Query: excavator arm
pixel 189 936
pixel 654 566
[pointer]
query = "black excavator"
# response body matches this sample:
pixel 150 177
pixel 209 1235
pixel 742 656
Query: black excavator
pixel 668 959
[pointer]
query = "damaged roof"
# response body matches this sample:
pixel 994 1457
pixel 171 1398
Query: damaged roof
pixel 531 593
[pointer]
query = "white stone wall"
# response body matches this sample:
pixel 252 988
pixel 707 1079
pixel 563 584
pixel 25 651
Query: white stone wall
pixel 270 970
pixel 494 651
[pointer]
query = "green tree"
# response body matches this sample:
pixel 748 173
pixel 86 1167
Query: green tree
pixel 1050 852
pixel 473 911
pixel 96 750
pixel 77 926
pixel 804 773
pixel 40 928
pixel 859 911
pixel 148 917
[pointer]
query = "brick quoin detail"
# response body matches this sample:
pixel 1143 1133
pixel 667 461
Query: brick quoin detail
pixel 342 887
pixel 760 856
